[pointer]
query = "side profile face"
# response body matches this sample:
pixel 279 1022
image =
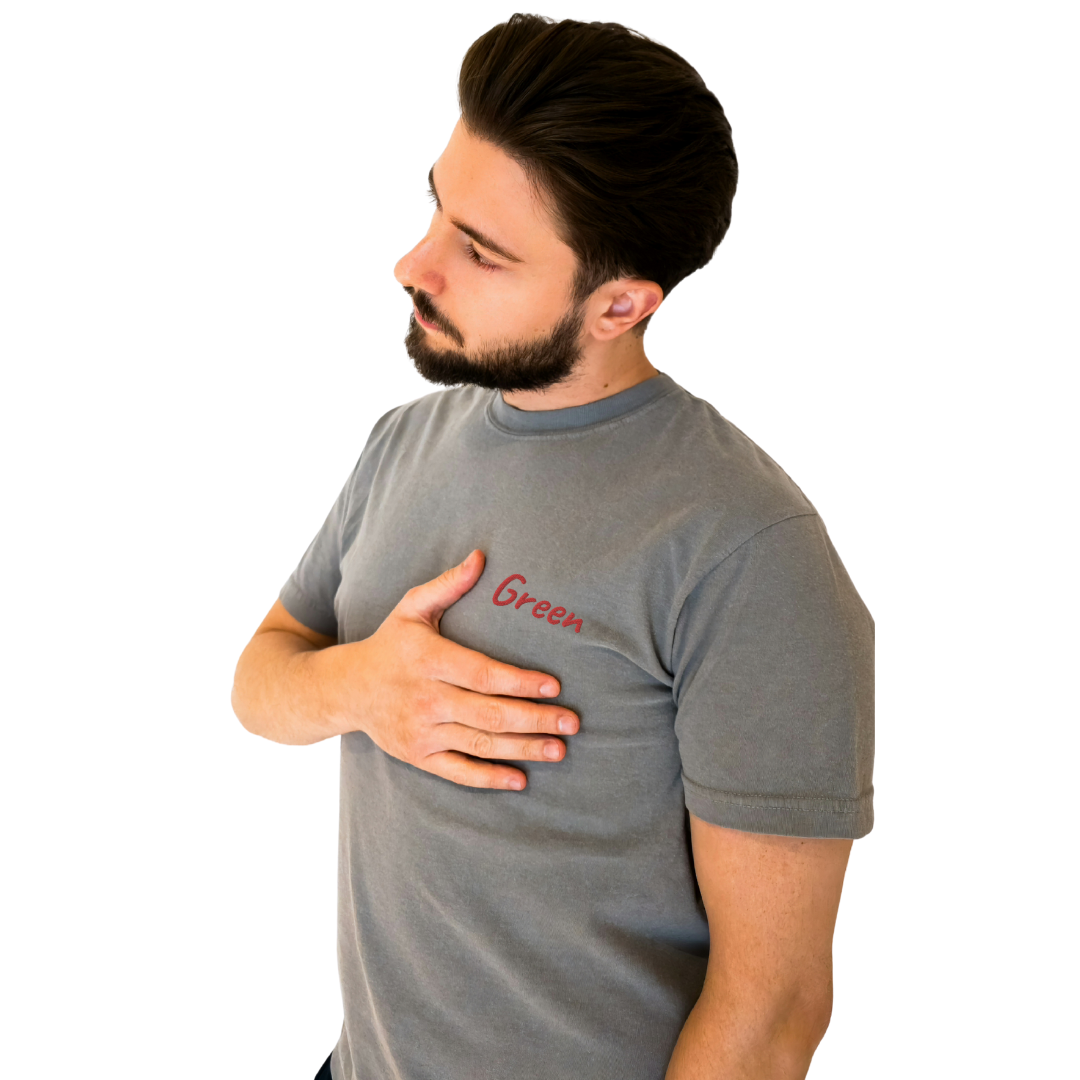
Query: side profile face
pixel 491 281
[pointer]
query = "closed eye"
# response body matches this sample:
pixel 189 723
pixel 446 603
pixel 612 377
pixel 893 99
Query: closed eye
pixel 477 258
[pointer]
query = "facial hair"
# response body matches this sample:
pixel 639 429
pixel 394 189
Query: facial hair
pixel 507 366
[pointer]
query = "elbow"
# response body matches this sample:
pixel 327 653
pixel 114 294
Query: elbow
pixel 239 710
pixel 241 704
pixel 249 699
pixel 805 1022
pixel 818 1021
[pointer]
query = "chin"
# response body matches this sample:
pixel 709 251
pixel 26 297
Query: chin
pixel 510 367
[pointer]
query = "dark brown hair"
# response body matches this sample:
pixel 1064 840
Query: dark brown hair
pixel 620 135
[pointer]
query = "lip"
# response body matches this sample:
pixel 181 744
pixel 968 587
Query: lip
pixel 422 321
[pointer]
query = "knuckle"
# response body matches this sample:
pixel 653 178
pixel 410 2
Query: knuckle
pixel 495 718
pixel 485 679
pixel 487 715
pixel 482 744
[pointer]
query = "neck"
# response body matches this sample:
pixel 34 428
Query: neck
pixel 605 368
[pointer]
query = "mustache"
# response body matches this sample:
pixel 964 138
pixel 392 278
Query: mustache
pixel 430 314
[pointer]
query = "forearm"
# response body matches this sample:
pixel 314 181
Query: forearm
pixel 285 690
pixel 742 1037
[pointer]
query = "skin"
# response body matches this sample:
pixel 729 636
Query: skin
pixel 480 186
pixel 771 901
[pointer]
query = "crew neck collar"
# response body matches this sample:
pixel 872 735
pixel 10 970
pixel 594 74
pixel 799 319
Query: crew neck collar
pixel 542 421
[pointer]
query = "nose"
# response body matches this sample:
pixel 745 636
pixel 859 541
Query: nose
pixel 419 268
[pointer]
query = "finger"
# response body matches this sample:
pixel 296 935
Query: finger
pixel 503 715
pixel 489 744
pixel 430 600
pixel 461 769
pixel 472 670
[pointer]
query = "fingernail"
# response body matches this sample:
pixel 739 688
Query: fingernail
pixel 551 750
pixel 566 725
pixel 516 784
pixel 549 689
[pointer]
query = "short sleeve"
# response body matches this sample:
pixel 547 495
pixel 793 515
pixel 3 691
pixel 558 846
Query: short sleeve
pixel 311 590
pixel 773 661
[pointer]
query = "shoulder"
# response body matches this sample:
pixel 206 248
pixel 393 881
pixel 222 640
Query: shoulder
pixel 434 413
pixel 735 487
pixel 438 407
pixel 401 429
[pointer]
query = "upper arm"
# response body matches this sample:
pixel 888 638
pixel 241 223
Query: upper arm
pixel 771 903
pixel 774 674
pixel 278 618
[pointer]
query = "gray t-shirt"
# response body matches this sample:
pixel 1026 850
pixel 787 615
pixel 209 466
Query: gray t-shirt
pixel 686 595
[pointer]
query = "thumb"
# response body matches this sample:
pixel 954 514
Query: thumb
pixel 430 600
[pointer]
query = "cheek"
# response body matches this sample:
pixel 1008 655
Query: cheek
pixel 512 306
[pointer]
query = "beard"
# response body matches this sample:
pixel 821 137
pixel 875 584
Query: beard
pixel 507 366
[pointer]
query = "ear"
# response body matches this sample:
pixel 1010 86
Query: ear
pixel 619 305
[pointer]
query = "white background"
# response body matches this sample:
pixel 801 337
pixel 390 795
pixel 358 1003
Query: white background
pixel 202 203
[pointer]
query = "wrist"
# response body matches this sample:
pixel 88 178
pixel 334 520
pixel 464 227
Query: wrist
pixel 333 686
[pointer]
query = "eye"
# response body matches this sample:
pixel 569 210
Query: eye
pixel 477 258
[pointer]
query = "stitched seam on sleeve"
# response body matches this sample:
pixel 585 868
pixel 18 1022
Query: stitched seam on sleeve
pixel 819 803
pixel 684 593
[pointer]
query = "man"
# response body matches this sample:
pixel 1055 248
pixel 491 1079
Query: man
pixel 599 780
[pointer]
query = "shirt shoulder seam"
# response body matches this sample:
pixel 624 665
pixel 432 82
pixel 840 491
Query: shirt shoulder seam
pixel 684 593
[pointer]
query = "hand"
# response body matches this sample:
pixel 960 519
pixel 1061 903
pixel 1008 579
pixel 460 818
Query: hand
pixel 439 706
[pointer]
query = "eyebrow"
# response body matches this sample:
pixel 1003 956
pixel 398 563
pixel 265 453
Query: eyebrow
pixel 468 230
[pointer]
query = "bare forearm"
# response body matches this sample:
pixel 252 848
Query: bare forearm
pixel 284 690
pixel 725 1038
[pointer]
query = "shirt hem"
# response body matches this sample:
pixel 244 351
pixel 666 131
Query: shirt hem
pixel 782 815
pixel 304 611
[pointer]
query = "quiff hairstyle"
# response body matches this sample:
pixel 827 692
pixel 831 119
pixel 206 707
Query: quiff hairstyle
pixel 618 134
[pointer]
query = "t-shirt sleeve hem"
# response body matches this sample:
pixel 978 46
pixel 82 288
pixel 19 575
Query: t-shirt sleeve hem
pixel 781 815
pixel 304 610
